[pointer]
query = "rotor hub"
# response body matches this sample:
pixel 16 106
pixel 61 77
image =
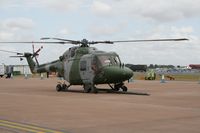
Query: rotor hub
pixel 84 43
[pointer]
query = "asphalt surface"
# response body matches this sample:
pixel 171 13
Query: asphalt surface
pixel 33 104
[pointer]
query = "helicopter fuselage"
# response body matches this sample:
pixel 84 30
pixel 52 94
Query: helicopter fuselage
pixel 86 65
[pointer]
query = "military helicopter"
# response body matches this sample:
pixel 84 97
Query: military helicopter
pixel 85 65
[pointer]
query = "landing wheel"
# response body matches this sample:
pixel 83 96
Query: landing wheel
pixel 115 89
pixel 59 87
pixel 65 87
pixel 124 88
pixel 62 87
pixel 117 86
pixel 87 88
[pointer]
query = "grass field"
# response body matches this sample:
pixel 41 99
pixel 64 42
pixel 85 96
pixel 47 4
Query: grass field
pixel 178 77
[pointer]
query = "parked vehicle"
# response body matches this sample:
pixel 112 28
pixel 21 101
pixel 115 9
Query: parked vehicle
pixel 6 70
pixel 150 75
pixel 2 70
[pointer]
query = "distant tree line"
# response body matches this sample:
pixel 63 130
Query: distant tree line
pixel 143 68
pixel 137 68
pixel 161 66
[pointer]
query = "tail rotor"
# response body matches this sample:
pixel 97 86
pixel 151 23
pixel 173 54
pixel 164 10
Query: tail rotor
pixel 36 53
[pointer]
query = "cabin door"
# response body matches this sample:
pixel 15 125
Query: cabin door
pixel 86 72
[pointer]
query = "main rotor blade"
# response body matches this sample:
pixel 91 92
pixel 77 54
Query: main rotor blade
pixel 84 41
pixel 96 42
pixel 60 39
pixel 152 40
pixel 11 52
pixel 40 42
pixel 46 38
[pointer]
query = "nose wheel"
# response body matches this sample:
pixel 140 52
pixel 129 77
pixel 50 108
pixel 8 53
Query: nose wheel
pixel 118 87
pixel 124 88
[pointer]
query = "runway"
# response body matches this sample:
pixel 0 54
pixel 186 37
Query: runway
pixel 171 107
pixel 25 127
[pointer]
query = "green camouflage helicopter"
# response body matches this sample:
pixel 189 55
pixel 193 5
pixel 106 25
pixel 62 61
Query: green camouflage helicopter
pixel 85 65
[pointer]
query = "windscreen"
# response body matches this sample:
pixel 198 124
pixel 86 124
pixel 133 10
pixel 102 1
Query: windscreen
pixel 107 60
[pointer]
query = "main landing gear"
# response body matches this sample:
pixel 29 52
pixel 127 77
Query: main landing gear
pixel 119 86
pixel 90 88
pixel 62 87
pixel 87 87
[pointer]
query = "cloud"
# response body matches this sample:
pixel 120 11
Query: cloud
pixel 4 3
pixel 172 31
pixel 171 10
pixel 5 35
pixel 101 8
pixel 61 5
pixel 17 24
pixel 103 30
pixel 153 10
pixel 11 27
pixel 112 20
pixel 63 32
pixel 177 53
pixel 56 5
pixel 182 31
pixel 106 30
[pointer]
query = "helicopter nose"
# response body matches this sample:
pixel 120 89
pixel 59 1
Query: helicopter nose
pixel 115 74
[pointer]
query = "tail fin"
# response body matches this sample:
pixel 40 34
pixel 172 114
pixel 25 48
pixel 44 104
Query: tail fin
pixel 31 62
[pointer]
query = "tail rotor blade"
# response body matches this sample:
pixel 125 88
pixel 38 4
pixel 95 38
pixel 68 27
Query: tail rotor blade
pixel 39 50
pixel 36 61
pixel 33 48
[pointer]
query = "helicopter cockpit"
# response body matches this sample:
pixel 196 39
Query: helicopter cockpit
pixel 108 60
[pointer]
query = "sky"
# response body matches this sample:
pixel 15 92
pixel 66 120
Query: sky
pixel 98 20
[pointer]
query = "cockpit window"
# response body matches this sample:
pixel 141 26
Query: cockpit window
pixel 116 60
pixel 73 52
pixel 109 60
